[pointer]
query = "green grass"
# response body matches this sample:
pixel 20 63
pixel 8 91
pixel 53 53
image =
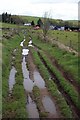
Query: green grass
pixel 14 107
pixel 18 91
pixel 64 108
pixel 8 25
pixel 67 60
pixel 66 37
pixel 30 18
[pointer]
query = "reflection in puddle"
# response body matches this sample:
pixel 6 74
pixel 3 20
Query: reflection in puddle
pixel 28 84
pixel 49 105
pixel 38 80
pixel 25 52
pixel 21 44
pixel 12 78
pixel 30 43
pixel 31 108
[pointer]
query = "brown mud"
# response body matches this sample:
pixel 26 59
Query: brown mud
pixel 68 99
pixel 45 97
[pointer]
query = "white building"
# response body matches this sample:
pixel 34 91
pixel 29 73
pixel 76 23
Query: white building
pixel 27 24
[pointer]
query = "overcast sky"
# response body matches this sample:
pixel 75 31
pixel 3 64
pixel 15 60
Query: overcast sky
pixel 60 9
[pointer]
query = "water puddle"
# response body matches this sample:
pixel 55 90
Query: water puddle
pixel 12 79
pixel 49 105
pixel 40 83
pixel 38 80
pixel 21 44
pixel 30 44
pixel 28 83
pixel 31 108
pixel 47 102
pixel 28 86
pixel 25 52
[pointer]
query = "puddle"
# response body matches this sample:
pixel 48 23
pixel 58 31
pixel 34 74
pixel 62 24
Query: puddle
pixel 31 108
pixel 38 80
pixel 25 52
pixel 21 44
pixel 28 83
pixel 49 105
pixel 28 86
pixel 12 78
pixel 30 43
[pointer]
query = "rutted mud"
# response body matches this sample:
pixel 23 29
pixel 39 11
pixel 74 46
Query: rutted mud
pixel 65 95
pixel 65 74
pixel 28 86
pixel 47 101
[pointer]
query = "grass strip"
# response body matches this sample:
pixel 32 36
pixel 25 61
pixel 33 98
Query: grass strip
pixel 38 101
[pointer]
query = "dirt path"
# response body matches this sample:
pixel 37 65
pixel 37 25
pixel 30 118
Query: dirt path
pixel 60 88
pixel 64 73
pixel 44 94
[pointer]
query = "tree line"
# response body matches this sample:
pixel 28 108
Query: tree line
pixel 14 19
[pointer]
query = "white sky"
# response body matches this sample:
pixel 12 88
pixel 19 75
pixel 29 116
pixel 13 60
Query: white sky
pixel 60 9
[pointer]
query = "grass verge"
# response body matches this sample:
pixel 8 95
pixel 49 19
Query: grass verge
pixel 14 106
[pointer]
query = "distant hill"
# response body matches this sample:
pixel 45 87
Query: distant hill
pixel 53 21
pixel 30 18
pixel 74 22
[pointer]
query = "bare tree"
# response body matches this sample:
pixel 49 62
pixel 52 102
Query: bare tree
pixel 46 25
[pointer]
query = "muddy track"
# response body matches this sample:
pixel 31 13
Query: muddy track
pixel 64 73
pixel 43 92
pixel 68 99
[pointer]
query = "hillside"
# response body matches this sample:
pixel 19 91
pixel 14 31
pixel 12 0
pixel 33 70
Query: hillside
pixel 30 18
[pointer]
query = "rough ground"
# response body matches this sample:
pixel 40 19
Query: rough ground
pixel 43 92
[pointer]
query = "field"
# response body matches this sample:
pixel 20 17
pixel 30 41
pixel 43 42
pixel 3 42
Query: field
pixel 50 69
pixel 67 38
